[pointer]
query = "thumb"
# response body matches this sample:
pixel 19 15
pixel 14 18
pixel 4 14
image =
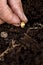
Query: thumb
pixel 8 16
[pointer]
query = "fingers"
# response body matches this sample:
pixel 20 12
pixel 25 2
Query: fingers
pixel 17 8
pixel 1 21
pixel 8 16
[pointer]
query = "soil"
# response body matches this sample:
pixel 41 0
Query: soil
pixel 24 46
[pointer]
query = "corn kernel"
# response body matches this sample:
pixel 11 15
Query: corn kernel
pixel 22 24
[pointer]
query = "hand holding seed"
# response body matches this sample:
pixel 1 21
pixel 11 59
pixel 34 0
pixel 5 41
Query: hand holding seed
pixel 11 11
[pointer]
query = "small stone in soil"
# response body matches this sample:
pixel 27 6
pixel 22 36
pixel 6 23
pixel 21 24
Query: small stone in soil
pixel 4 34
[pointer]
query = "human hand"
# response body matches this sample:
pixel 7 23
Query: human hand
pixel 11 11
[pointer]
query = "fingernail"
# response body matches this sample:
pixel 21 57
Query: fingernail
pixel 17 24
pixel 25 19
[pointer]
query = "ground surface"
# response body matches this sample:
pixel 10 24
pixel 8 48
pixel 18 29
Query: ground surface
pixel 24 46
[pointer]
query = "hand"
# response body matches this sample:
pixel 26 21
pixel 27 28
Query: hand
pixel 11 11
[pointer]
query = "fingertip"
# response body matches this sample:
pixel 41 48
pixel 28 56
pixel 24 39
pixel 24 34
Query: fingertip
pixel 15 19
pixel 25 19
pixel 22 16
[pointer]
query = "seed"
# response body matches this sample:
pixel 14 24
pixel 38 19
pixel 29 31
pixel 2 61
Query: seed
pixel 4 34
pixel 22 24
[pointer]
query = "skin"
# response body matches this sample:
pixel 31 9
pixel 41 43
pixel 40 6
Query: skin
pixel 11 11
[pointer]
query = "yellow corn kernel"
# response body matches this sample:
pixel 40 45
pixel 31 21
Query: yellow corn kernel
pixel 22 24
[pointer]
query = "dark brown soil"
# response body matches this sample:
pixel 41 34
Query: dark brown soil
pixel 28 42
